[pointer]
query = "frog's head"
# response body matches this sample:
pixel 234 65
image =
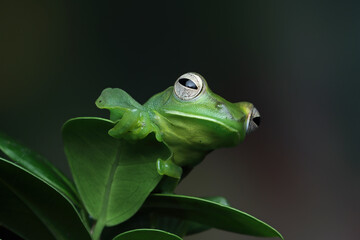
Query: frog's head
pixel 191 114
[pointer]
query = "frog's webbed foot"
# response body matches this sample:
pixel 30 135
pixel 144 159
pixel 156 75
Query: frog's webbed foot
pixel 172 175
pixel 168 168
pixel 134 125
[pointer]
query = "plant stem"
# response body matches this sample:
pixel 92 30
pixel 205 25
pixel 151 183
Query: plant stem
pixel 98 228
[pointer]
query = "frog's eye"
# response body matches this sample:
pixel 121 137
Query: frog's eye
pixel 188 86
pixel 254 121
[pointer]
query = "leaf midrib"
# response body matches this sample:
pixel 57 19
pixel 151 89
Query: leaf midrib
pixel 109 183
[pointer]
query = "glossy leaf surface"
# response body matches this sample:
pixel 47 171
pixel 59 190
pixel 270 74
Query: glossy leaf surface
pixel 39 167
pixel 151 218
pixel 32 208
pixel 113 176
pixel 208 213
pixel 195 227
pixel 147 234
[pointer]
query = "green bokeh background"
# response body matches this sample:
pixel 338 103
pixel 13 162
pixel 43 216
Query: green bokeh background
pixel 298 62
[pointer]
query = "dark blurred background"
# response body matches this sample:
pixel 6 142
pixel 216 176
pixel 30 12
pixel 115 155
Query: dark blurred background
pixel 296 61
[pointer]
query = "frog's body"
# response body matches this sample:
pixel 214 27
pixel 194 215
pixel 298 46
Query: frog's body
pixel 189 118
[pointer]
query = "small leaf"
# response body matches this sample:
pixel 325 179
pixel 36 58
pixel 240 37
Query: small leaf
pixel 32 208
pixel 208 213
pixel 147 234
pixel 113 176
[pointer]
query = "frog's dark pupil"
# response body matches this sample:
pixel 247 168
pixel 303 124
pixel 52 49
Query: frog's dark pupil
pixel 187 83
pixel 256 120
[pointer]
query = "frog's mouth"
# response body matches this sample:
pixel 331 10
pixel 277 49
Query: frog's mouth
pixel 253 121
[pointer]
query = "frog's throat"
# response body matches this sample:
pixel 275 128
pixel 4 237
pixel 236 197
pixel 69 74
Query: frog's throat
pixel 172 112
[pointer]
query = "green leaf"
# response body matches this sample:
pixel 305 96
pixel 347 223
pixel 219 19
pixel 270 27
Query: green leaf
pixel 208 213
pixel 113 176
pixel 30 207
pixel 191 227
pixel 147 234
pixel 146 220
pixel 39 167
pixel 151 218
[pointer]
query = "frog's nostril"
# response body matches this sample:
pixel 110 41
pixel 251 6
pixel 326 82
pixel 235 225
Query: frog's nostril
pixel 257 120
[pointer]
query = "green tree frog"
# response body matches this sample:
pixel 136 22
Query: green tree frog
pixel 188 118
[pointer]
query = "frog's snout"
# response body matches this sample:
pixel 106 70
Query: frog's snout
pixel 253 121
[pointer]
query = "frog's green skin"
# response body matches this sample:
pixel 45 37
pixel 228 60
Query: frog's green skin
pixel 190 128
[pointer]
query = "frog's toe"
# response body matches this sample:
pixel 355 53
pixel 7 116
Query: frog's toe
pixel 168 168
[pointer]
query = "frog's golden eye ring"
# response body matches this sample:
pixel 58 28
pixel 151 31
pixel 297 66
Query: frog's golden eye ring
pixel 188 86
pixel 254 121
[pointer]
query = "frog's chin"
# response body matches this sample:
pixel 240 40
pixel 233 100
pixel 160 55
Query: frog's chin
pixel 232 135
